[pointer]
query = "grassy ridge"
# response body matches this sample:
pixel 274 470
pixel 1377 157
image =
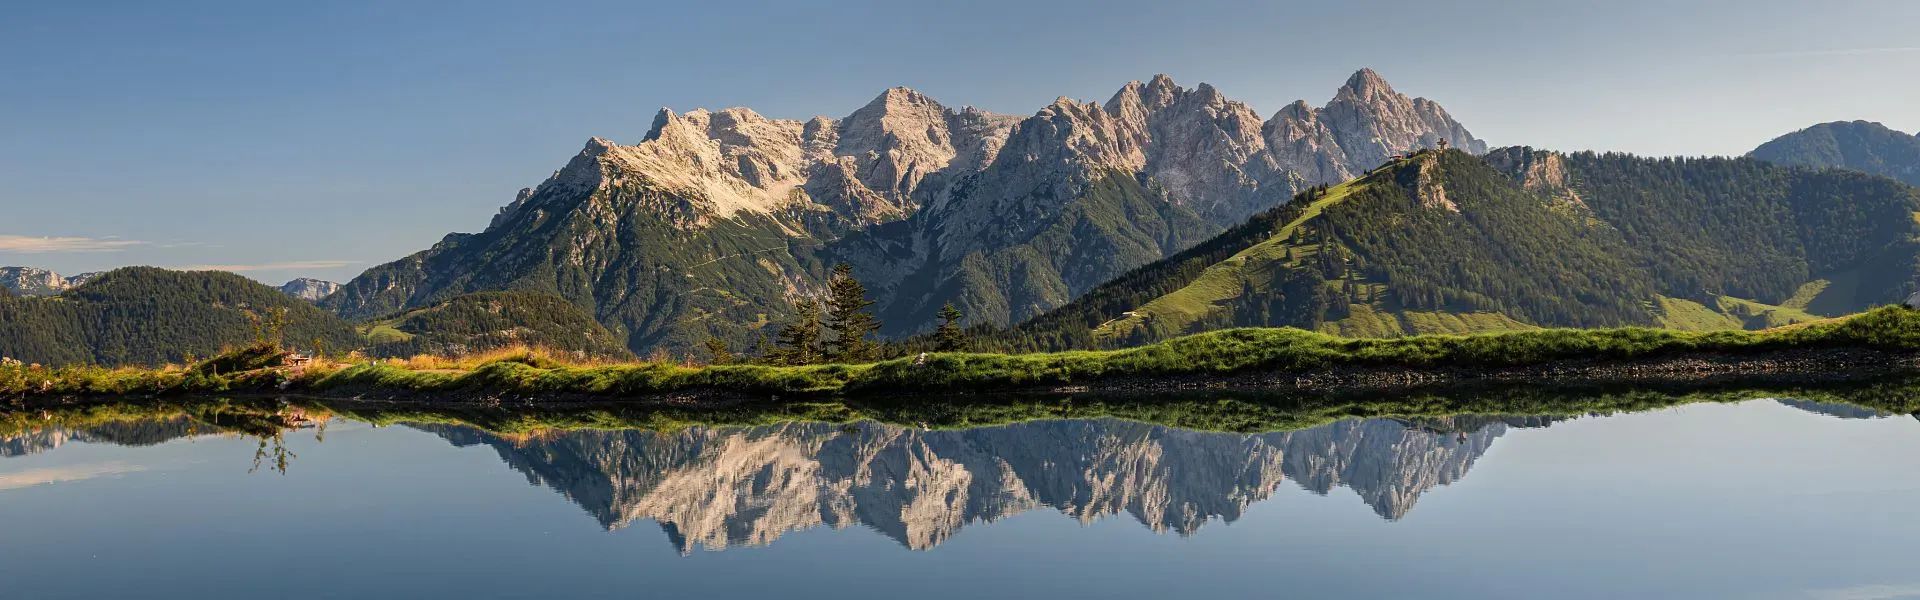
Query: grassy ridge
pixel 1223 280
pixel 1225 352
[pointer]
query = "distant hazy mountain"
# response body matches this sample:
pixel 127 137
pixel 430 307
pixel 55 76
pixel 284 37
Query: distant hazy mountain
pixel 1835 409
pixel 722 487
pixel 1862 146
pixel 715 221
pixel 121 433
pixel 1449 242
pixel 28 281
pixel 148 315
pixel 311 290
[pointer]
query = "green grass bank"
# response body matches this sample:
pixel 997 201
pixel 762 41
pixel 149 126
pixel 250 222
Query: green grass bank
pixel 1226 353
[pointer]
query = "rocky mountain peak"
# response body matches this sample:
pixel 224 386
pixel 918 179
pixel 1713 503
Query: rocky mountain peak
pixel 1160 91
pixel 897 141
pixel 29 281
pixel 898 98
pixel 1366 84
pixel 1126 102
pixel 309 289
pixel 661 119
pixel 1370 121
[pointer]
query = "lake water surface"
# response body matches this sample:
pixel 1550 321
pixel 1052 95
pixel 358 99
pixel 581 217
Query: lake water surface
pixel 1757 499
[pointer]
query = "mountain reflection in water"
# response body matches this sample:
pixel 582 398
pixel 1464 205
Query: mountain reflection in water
pixel 726 487
pixel 720 487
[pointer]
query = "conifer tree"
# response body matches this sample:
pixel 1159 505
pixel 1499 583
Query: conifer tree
pixel 848 318
pixel 718 350
pixel 800 340
pixel 949 337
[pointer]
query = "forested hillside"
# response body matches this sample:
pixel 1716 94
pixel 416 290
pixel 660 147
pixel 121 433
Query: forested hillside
pixel 1447 242
pixel 1705 228
pixel 144 315
pixel 493 320
pixel 1862 146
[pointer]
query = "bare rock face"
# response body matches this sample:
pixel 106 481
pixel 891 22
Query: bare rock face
pixel 1539 171
pixel 870 167
pixel 1207 150
pixel 311 290
pixel 726 487
pixel 28 281
pixel 1430 190
pixel 83 278
pixel 1371 121
pixel 904 150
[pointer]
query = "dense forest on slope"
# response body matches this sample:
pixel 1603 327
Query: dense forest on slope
pixel 1862 146
pixel 492 320
pixel 1742 228
pixel 1446 242
pixel 1042 251
pixel 144 315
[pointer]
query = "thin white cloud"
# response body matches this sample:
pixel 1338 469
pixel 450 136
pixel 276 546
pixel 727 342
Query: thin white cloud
pixel 34 477
pixel 1834 52
pixel 26 244
pixel 291 265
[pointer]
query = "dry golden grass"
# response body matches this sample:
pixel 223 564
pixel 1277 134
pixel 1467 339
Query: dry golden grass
pixel 545 358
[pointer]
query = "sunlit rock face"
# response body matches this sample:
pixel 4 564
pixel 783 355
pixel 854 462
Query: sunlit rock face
pixel 726 487
pixel 28 281
pixel 309 289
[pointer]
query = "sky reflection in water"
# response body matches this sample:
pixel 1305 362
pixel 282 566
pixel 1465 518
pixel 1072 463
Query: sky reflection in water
pixel 1758 499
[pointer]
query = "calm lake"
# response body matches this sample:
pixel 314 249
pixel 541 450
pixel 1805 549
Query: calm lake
pixel 1754 499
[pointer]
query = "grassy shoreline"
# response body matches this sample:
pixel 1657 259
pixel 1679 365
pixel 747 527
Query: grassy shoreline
pixel 1208 411
pixel 1221 354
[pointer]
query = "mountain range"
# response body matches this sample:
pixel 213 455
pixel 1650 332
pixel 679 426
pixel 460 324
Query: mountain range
pixel 29 281
pixel 1164 210
pixel 715 220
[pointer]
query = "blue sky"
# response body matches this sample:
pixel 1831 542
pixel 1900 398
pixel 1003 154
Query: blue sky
pixel 316 139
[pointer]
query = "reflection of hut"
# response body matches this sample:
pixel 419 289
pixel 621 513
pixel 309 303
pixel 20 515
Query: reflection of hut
pixel 297 361
pixel 295 417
